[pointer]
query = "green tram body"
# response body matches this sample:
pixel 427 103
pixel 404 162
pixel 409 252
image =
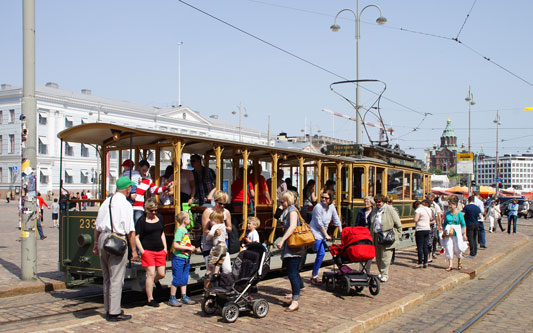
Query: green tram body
pixel 375 170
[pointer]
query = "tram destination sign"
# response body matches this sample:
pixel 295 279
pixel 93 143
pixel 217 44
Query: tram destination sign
pixel 344 150
pixel 406 163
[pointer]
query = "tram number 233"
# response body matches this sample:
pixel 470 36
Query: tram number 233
pixel 87 223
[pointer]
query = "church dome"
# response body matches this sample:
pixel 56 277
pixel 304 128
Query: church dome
pixel 448 131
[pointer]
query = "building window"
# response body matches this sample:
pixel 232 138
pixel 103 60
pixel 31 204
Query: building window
pixel 1 176
pixel 43 145
pixel 84 176
pixel 1 145
pixel 84 150
pixel 68 121
pixel 69 150
pixel 68 176
pixel 43 179
pixel 43 117
pixel 11 116
pixel 12 175
pixel 11 147
pixel 1 117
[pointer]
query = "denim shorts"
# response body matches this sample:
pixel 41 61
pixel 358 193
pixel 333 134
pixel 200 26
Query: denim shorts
pixel 180 271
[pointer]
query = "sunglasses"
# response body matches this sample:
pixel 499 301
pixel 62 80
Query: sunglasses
pixel 221 203
pixel 327 198
pixel 153 210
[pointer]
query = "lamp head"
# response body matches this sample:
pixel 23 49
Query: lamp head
pixel 381 20
pixel 472 103
pixel 335 27
pixel 233 112
pixel 468 99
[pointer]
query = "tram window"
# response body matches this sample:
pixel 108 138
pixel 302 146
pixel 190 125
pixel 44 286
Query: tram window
pixel 357 183
pixel 418 186
pixel 379 181
pixel 407 185
pixel 395 183
pixel 371 179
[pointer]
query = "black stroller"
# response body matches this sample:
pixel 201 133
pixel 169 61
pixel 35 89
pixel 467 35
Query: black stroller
pixel 231 292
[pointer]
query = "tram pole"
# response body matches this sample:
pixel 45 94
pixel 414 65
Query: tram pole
pixel 29 207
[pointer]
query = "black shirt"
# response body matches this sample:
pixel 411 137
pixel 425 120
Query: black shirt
pixel 471 214
pixel 150 233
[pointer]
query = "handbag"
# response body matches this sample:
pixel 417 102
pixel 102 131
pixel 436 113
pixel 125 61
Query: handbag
pixel 114 244
pixel 302 235
pixel 386 237
pixel 452 231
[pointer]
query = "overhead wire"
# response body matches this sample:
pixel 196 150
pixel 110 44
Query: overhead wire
pixel 466 19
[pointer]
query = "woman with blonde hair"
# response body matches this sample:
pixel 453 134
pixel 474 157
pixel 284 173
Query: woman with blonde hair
pixel 291 256
pixel 151 242
pixel 221 199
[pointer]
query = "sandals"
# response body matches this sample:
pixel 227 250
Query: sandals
pixel 460 266
pixel 449 269
pixel 418 266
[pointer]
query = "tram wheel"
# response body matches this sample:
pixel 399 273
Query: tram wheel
pixel 260 308
pixel 230 312
pixel 373 286
pixel 209 306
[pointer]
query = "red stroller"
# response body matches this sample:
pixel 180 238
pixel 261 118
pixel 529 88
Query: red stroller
pixel 356 247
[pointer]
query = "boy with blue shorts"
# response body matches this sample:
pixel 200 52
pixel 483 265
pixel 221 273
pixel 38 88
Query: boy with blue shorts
pixel 181 261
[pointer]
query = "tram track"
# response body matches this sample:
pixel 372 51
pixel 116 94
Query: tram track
pixel 494 303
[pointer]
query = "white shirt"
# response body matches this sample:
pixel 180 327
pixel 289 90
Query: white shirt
pixel 89 196
pixel 481 206
pixel 122 215
pixel 253 236
pixel 55 208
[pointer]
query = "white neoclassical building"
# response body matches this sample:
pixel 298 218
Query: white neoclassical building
pixel 59 109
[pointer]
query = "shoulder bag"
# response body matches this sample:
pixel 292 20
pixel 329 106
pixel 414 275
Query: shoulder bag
pixel 387 237
pixel 114 244
pixel 451 233
pixel 302 235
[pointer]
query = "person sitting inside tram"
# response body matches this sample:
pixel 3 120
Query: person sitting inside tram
pixel 146 184
pixel 264 195
pixel 204 179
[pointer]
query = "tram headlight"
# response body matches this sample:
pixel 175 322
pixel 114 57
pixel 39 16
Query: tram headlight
pixel 84 240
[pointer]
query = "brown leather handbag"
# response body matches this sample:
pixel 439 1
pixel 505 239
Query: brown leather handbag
pixel 301 236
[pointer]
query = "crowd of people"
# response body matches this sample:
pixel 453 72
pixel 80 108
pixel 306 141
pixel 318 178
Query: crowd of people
pixel 446 225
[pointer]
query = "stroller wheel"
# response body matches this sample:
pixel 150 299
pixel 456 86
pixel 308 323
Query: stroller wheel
pixel 345 286
pixel 230 312
pixel 260 308
pixel 209 305
pixel 330 282
pixel 373 286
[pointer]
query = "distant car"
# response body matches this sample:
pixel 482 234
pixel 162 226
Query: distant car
pixel 521 208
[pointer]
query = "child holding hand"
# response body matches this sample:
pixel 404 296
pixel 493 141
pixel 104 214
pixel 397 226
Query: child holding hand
pixel 181 261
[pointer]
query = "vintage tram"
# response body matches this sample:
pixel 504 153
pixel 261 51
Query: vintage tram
pixel 358 172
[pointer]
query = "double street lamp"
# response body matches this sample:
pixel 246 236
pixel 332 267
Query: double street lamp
pixel 497 165
pixel 335 27
pixel 241 108
pixel 470 100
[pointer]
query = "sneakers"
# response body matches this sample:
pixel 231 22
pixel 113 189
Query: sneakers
pixel 43 238
pixel 187 301
pixel 153 303
pixel 470 256
pixel 316 281
pixel 174 302
pixel 384 278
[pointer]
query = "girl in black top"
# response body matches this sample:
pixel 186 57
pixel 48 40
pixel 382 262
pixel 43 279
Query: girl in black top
pixel 152 244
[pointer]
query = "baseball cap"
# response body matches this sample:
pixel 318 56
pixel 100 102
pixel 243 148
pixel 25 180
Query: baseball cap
pixel 124 182
pixel 128 163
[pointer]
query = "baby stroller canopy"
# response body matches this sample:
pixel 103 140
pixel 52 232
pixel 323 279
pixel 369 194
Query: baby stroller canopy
pixel 356 245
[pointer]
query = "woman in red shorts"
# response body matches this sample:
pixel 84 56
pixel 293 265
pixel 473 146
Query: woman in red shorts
pixel 152 244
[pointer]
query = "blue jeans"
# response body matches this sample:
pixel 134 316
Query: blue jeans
pixel 292 264
pixel 180 271
pixel 511 219
pixel 481 233
pixel 320 253
pixel 422 242
pixel 40 228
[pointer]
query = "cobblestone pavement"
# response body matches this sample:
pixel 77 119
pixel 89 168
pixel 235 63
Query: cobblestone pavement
pixel 513 314
pixel 320 310
pixel 453 309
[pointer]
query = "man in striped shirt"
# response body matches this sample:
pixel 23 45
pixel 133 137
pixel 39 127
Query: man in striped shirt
pixel 145 186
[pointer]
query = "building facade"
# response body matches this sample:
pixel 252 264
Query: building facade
pixel 515 171
pixel 60 109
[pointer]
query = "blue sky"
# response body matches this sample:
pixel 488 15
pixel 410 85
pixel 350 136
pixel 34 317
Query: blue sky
pixel 127 50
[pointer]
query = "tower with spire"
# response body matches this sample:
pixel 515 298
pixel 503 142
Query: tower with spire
pixel 444 156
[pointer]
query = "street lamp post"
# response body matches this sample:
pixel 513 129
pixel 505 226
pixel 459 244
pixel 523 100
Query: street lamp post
pixel 470 100
pixel 497 165
pixel 241 108
pixel 335 27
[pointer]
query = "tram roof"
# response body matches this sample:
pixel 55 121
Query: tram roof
pixel 116 136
